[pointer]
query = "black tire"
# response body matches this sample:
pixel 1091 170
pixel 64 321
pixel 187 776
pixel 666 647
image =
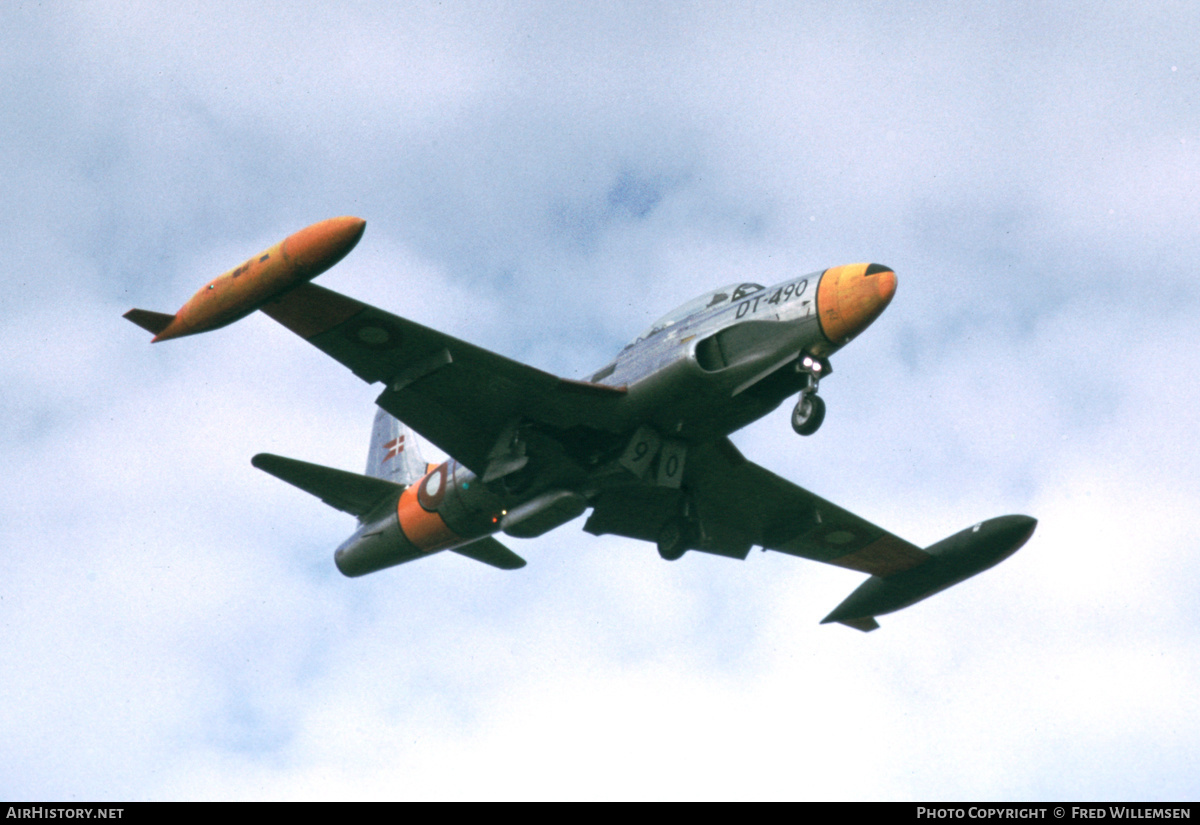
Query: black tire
pixel 672 540
pixel 808 414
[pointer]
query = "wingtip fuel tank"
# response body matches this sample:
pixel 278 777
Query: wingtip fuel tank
pixel 953 560
pixel 298 258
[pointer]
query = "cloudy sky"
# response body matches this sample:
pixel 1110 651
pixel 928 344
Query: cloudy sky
pixel 545 181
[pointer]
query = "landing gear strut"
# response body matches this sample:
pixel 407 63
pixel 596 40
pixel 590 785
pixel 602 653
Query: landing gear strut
pixel 809 411
pixel 679 534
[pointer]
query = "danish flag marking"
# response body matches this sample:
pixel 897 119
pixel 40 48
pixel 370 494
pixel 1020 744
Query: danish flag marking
pixel 394 447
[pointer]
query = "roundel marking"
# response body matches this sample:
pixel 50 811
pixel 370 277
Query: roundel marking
pixel 373 336
pixel 432 488
pixel 374 333
pixel 433 485
pixel 424 529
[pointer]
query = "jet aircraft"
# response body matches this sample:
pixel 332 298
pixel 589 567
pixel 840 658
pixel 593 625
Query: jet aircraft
pixel 643 442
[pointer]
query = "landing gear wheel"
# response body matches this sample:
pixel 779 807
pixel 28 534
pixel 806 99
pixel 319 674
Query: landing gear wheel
pixel 672 540
pixel 808 414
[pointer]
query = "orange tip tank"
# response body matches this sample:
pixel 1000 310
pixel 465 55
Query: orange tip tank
pixel 299 258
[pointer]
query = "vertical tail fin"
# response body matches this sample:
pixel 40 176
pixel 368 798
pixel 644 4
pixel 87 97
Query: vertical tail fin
pixel 394 454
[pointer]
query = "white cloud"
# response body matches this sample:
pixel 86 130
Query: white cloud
pixel 546 183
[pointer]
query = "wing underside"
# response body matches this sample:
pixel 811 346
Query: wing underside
pixel 465 399
pixel 739 504
pixel 461 397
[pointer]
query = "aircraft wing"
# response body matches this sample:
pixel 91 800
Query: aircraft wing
pixel 461 397
pixel 736 497
pixel 739 505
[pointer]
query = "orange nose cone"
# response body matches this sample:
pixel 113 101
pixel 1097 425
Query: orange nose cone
pixel 316 248
pixel 850 297
pixel 885 284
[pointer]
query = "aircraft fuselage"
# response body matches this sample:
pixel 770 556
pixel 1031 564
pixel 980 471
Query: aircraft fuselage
pixel 689 380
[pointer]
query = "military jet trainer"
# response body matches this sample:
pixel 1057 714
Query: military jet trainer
pixel 643 443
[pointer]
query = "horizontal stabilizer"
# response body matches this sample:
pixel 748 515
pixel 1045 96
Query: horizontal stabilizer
pixel 153 322
pixel 348 492
pixel 490 551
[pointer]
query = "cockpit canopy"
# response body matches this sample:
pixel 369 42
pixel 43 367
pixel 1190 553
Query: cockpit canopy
pixel 710 300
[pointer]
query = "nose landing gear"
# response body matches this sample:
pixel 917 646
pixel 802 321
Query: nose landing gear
pixel 808 414
pixel 809 411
